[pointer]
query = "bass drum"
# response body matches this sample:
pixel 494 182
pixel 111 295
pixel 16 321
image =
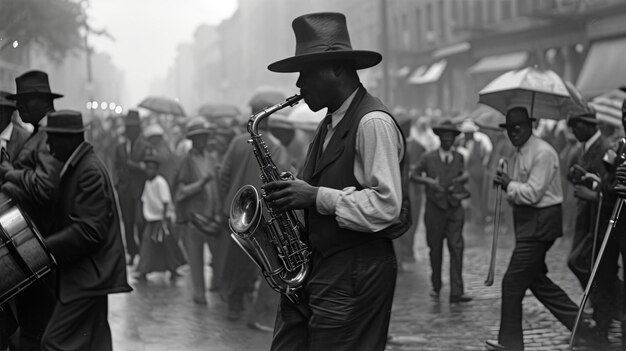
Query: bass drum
pixel 24 257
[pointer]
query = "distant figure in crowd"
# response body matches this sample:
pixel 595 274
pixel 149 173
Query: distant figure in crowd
pixel 130 176
pixel 351 191
pixel 31 178
pixel 196 193
pixel 240 168
pixel 12 138
pixel 85 239
pixel 443 172
pixel 479 147
pixel 593 147
pixel 404 245
pixel 159 250
pixel 168 160
pixel 534 189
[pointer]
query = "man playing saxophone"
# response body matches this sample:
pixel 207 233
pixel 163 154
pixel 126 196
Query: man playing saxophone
pixel 351 191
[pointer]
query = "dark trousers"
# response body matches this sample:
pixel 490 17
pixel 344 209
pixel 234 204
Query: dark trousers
pixel 346 302
pixel 445 224
pixel 33 308
pixel 132 216
pixel 80 325
pixel 527 270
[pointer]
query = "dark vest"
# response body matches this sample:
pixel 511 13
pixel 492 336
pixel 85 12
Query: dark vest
pixel 335 169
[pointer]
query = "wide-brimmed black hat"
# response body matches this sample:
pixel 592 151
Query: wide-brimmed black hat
pixel 323 37
pixel 33 82
pixel 132 118
pixel 532 119
pixel 64 121
pixel 587 117
pixel 4 101
pixel 446 126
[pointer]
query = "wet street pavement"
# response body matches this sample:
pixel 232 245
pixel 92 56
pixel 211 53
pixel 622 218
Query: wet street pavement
pixel 159 315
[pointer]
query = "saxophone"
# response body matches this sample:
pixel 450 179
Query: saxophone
pixel 272 240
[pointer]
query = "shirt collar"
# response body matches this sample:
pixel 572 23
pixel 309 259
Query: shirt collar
pixel 338 114
pixel 6 133
pixel 443 153
pixel 527 144
pixel 591 140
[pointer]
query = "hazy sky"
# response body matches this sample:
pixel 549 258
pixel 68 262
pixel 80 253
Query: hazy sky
pixel 147 32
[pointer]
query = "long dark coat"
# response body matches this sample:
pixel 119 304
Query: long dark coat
pixel 86 239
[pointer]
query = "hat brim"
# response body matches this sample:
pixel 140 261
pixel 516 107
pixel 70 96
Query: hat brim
pixel 503 125
pixel 439 130
pixel 197 132
pixel 52 95
pixel 590 120
pixel 62 130
pixel 362 59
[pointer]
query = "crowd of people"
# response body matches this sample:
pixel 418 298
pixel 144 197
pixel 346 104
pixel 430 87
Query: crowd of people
pixel 151 194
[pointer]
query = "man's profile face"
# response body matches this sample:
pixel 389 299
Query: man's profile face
pixel 518 127
pixel 316 85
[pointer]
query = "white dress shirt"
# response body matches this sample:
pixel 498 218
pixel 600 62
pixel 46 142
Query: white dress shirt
pixel 5 135
pixel 379 149
pixel 535 178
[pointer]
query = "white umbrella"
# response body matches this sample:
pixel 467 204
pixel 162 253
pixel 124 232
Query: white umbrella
pixel 608 107
pixel 542 92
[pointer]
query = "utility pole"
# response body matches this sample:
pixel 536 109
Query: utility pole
pixel 384 48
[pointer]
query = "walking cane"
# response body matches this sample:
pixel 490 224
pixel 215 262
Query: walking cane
pixel 502 168
pixel 595 228
pixel 616 212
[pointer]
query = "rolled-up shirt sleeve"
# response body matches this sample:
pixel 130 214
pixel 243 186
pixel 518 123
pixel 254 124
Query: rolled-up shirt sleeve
pixel 532 190
pixel 379 148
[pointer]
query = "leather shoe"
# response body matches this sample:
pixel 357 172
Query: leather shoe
pixel 461 298
pixel 260 327
pixel 493 345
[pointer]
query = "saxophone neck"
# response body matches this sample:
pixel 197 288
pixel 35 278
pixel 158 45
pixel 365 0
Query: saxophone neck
pixel 255 119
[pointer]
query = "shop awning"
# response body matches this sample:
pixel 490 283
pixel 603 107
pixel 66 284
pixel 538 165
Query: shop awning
pixel 423 75
pixel 604 67
pixel 497 63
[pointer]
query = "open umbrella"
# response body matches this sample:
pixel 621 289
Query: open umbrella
pixel 160 104
pixel 219 110
pixel 542 92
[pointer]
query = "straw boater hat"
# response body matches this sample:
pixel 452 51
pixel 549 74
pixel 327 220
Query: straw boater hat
pixel 33 82
pixel 65 122
pixel 468 126
pixel 446 126
pixel 323 37
pixel 6 102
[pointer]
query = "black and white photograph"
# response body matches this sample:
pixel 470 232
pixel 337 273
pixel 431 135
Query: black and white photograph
pixel 312 175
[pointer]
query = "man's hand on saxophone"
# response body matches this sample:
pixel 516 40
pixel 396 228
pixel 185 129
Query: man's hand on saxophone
pixel 286 195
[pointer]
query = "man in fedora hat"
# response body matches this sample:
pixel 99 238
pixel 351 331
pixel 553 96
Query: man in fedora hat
pixel 590 225
pixel 352 193
pixel 443 172
pixel 31 178
pixel 85 239
pixel 129 178
pixel 195 191
pixel 534 190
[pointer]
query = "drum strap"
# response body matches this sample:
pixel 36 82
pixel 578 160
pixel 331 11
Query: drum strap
pixel 6 238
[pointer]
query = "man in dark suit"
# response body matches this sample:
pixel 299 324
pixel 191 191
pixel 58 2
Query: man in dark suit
pixel 12 138
pixel 443 172
pixel 593 146
pixel 85 240
pixel 352 193
pixel 129 178
pixel 31 179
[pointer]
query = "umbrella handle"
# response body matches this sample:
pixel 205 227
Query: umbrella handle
pixel 532 104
